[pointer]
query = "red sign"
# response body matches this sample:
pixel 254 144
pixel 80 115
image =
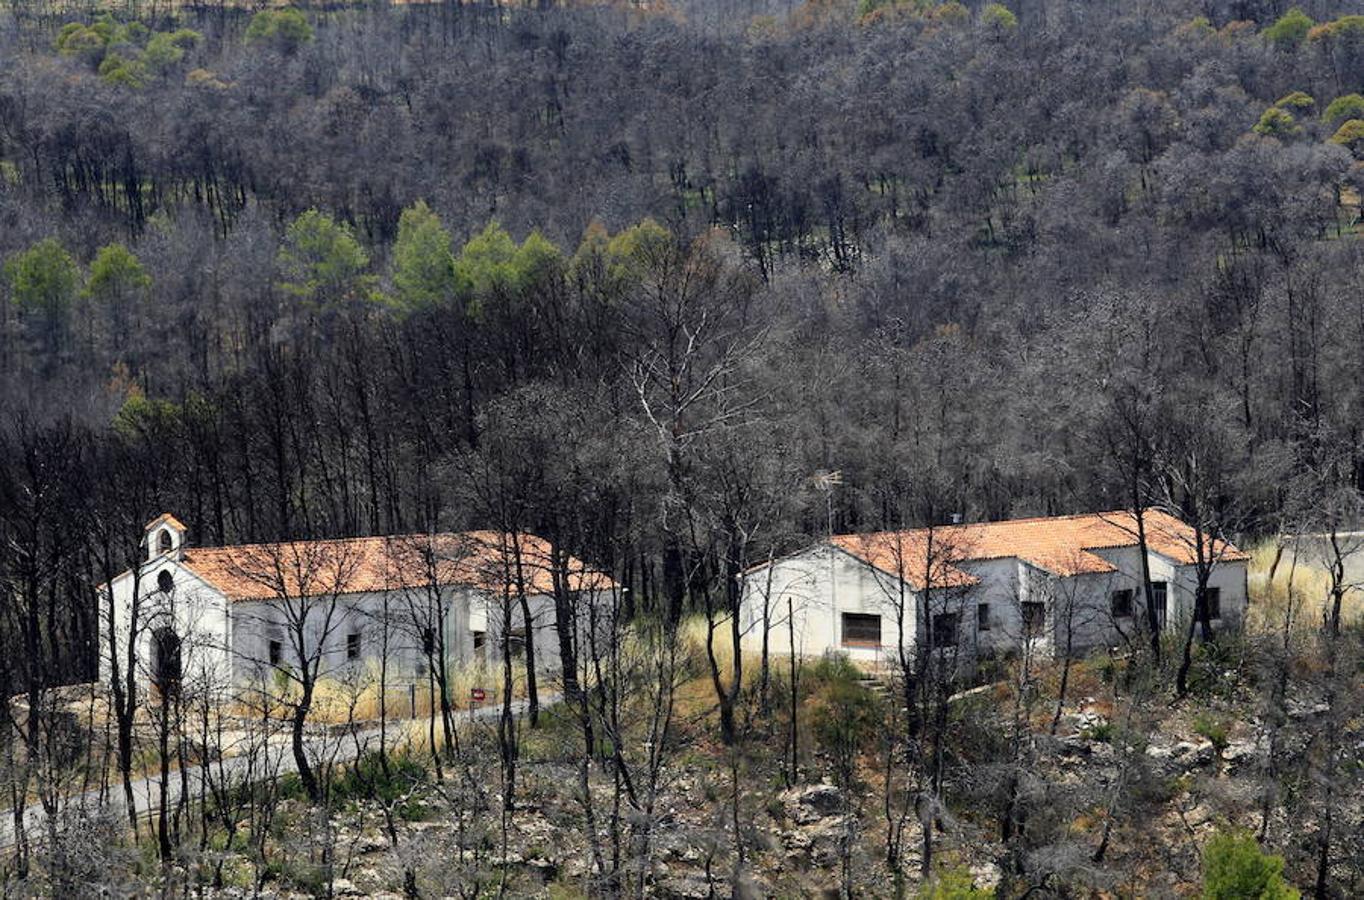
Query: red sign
pixel 478 695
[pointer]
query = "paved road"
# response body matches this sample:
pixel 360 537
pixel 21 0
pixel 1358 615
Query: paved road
pixel 279 759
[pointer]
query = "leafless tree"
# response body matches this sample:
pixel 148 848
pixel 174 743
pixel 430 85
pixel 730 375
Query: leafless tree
pixel 300 588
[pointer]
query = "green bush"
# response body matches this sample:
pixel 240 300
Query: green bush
pixel 365 779
pixel 997 15
pixel 1290 30
pixel 954 884
pixel 1351 136
pixel 1213 729
pixel 1235 868
pixel 1101 732
pixel 1296 100
pixel 1276 122
pixel 1351 106
pixel 284 29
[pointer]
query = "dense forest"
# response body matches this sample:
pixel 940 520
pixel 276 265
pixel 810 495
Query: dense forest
pixel 678 286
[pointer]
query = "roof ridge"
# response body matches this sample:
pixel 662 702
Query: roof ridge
pixel 338 540
pixel 1024 520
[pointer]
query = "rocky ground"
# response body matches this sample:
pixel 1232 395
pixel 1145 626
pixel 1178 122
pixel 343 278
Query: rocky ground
pixel 793 836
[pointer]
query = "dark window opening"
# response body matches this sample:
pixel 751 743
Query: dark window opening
pixel 166 660
pixel 1212 599
pixel 480 644
pixel 516 643
pixel 1159 594
pixel 352 646
pixel 1121 603
pixel 1034 618
pixel 945 627
pixel 163 541
pixel 983 617
pixel 429 641
pixel 861 630
pixel 165 581
pixel 276 652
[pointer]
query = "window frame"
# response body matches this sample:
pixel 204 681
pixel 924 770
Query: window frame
pixel 1212 601
pixel 354 646
pixel 937 626
pixel 982 617
pixel 274 652
pixel 1130 597
pixel 1033 614
pixel 865 619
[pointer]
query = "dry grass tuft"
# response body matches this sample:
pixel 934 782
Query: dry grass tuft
pixel 1300 578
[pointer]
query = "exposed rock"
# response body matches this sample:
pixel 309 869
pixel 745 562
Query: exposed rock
pixel 818 843
pixel 344 887
pixel 547 869
pixel 811 803
pixel 1198 816
pixel 683 887
pixel 1299 710
pixel 985 875
pixel 1190 754
pixel 1239 753
pixel 368 845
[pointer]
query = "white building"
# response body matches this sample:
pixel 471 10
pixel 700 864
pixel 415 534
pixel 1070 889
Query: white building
pixel 1069 583
pixel 231 616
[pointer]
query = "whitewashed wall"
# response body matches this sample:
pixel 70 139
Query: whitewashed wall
pixel 824 582
pixel 821 584
pixel 193 609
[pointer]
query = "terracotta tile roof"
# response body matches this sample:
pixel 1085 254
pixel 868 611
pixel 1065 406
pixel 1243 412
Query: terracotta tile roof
pixel 485 560
pixel 1061 545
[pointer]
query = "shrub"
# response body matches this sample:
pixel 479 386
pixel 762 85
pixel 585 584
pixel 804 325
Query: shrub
pixel 1100 731
pixel 1275 122
pixel 1235 868
pixel 954 884
pixel 284 29
pixel 1296 100
pixel 1290 30
pixel 997 15
pixel 365 778
pixel 1351 136
pixel 1213 729
pixel 1351 106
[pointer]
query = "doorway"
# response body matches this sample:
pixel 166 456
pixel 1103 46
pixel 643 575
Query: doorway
pixel 166 662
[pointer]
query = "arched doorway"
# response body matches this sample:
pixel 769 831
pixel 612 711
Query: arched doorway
pixel 166 671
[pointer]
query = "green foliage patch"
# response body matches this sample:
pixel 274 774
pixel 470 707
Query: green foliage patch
pixel 1235 868
pixel 125 53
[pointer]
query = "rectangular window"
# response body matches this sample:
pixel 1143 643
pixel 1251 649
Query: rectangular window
pixel 480 642
pixel 429 641
pixel 1159 593
pixel 945 628
pixel 1213 598
pixel 352 646
pixel 983 617
pixel 276 652
pixel 516 643
pixel 1121 603
pixel 861 630
pixel 1034 618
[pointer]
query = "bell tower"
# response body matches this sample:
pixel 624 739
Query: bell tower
pixel 165 537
